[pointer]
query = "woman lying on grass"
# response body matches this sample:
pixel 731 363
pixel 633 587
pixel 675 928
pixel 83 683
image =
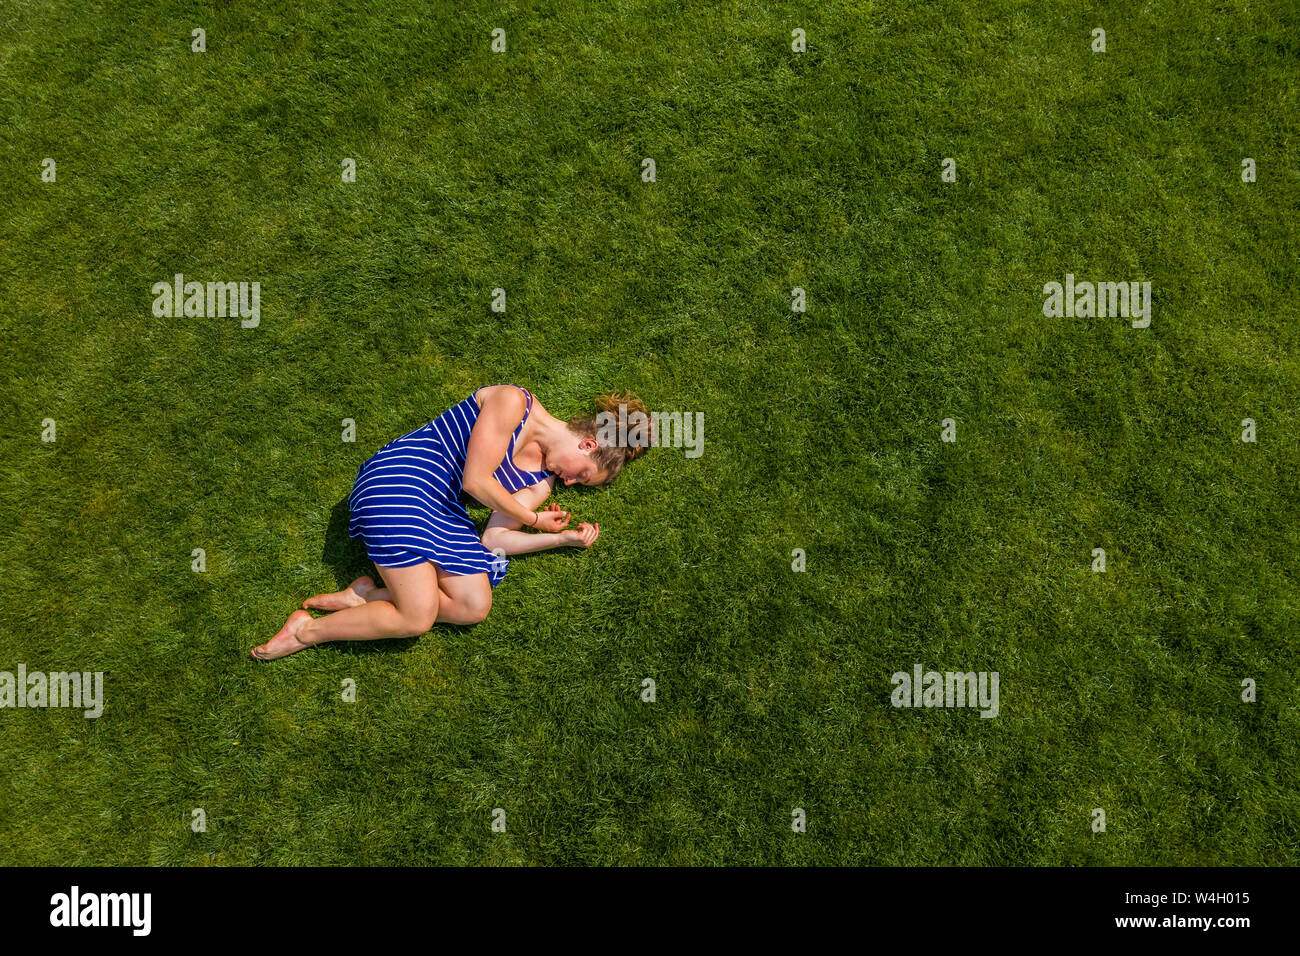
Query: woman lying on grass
pixel 501 447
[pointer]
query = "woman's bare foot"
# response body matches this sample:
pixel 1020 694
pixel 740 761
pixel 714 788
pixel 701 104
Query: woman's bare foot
pixel 354 595
pixel 287 641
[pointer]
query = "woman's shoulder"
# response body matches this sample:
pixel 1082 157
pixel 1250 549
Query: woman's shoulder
pixel 506 397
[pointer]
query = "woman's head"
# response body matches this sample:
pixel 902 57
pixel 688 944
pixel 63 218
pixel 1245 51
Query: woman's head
pixel 620 430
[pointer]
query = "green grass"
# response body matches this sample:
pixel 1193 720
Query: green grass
pixel 522 171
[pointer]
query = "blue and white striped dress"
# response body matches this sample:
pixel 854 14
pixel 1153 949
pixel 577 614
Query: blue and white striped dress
pixel 406 503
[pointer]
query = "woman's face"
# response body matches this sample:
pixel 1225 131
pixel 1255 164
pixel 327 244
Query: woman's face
pixel 572 463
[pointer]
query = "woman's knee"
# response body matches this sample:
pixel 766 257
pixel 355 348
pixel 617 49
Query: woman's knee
pixel 468 599
pixel 416 614
pixel 477 604
pixel 414 594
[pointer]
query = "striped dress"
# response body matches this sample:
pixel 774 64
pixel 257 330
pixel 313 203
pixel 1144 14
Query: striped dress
pixel 406 505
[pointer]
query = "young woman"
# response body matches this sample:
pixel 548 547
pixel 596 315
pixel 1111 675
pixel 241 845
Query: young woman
pixel 501 447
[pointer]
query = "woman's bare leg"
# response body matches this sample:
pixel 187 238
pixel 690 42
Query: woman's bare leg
pixel 412 610
pixel 463 598
pixel 354 595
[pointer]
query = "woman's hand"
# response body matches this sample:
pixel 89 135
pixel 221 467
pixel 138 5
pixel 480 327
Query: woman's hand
pixel 583 536
pixel 551 518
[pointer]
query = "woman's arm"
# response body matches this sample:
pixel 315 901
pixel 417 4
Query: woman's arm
pixel 499 416
pixel 503 532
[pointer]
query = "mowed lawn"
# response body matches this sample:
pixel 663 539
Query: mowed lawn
pixel 774 170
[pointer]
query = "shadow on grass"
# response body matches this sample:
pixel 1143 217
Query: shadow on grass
pixel 347 556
